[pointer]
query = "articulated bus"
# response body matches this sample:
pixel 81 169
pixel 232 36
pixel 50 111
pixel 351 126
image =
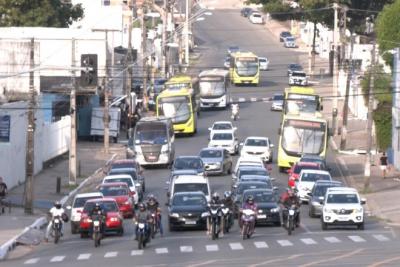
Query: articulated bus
pixel 154 141
pixel 213 88
pixel 244 68
pixel 300 134
pixel 180 107
pixel 301 100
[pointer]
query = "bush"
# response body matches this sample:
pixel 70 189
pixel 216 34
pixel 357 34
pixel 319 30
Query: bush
pixel 277 6
pixel 383 126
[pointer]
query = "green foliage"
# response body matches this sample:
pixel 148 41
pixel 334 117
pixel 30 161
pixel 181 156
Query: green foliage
pixel 383 126
pixel 382 85
pixel 278 10
pixel 38 13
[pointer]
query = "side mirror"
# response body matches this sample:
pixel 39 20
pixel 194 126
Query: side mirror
pixel 363 201
pixel 322 107
pixel 234 186
pixel 321 200
pixel 168 194
pixel 68 207
pixel 210 129
pixel 234 128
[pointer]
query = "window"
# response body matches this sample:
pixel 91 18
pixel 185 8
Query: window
pixel 5 128
pixel 106 2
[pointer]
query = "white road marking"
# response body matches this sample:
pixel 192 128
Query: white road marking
pixel 356 238
pixel 242 99
pixel 212 247
pixel 236 246
pixel 265 99
pixel 136 252
pixel 186 249
pixel 332 239
pixel 284 243
pixel 308 241
pixel 32 261
pixel 57 259
pixel 261 244
pixel 161 250
pixel 84 256
pixel 253 99
pixel 381 237
pixel 111 254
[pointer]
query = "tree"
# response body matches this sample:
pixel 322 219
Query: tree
pixel 38 13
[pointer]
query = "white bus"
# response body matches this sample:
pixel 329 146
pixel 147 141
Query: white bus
pixel 213 88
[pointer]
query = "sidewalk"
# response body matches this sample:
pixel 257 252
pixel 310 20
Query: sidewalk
pixel 383 194
pixel 91 157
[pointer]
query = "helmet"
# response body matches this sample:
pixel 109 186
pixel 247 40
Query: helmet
pixel 151 197
pixel 250 199
pixel 215 196
pixel 142 206
pixel 227 194
pixel 57 204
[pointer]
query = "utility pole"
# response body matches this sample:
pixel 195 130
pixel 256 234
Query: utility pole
pixel 72 149
pixel 144 58
pixel 346 96
pixel 106 116
pixel 187 34
pixel 30 152
pixel 335 68
pixel 367 171
pixel 128 85
pixel 164 40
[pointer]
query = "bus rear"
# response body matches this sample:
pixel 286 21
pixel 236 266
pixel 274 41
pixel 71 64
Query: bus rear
pixel 213 88
pixel 301 100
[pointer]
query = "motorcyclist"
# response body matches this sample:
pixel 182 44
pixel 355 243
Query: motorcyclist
pixel 229 203
pixel 55 211
pixel 215 201
pixel 142 216
pixel 154 208
pixel 249 204
pixel 287 199
pixel 235 110
pixel 98 213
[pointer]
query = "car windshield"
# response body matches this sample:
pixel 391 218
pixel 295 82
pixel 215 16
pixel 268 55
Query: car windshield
pixel 191 187
pixel 299 74
pixel 260 172
pixel 289 39
pixel 312 177
pixel 256 142
pixel 177 108
pixel 320 190
pixel 80 201
pixel 285 34
pixel 189 200
pixel 262 60
pixel 210 154
pixel 278 97
pixel 265 180
pixel 222 136
pixel 342 199
pixel 246 186
pixel 257 15
pixel 126 180
pixel 298 168
pixel 177 86
pixel 131 172
pixel 105 205
pixel 151 133
pixel 260 197
pixel 112 191
pixel 222 126
pixel 295 67
pixel 188 164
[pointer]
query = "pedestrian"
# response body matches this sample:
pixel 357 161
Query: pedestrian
pixel 384 162
pixel 3 193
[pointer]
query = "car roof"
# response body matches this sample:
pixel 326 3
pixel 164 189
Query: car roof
pixel 91 194
pixel 251 168
pixel 250 182
pixel 254 176
pixel 249 159
pixel 315 171
pixel 114 184
pixel 222 122
pixel 212 148
pixel 187 157
pixel 101 199
pixel 124 161
pixel 117 176
pixel 307 163
pixel 190 179
pixel 326 182
pixel 259 190
pixel 189 193
pixel 183 172
pixel 311 156
pixel 257 137
pixel 123 170
pixel 341 190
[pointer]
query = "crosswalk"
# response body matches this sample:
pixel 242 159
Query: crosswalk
pixel 232 246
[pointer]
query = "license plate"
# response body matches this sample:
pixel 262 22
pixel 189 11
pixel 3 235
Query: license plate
pixel 152 157
pixel 190 222
pixel 342 218
pixel 262 216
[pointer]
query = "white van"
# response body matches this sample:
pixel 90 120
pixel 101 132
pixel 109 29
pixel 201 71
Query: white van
pixel 190 183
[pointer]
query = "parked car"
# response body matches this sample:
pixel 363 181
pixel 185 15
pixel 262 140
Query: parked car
pixel 283 35
pixel 264 63
pixel 134 187
pixel 293 67
pixel 277 102
pixel 216 160
pixel 317 194
pixel 315 158
pixel 306 181
pixel 114 220
pixel 188 210
pixel 342 206
pixel 246 11
pixel 256 18
pixel 77 207
pixel 289 42
pixel 257 146
pixel 120 192
pixel 267 205
pixel 189 163
pixel 225 139
pixel 298 78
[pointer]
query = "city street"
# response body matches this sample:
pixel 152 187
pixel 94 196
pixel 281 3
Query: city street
pixel 309 246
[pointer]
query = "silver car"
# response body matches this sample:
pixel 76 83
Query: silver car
pixel 289 42
pixel 277 102
pixel 216 160
pixel 317 194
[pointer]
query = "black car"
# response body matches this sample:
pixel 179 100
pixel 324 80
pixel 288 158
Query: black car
pixel 294 67
pixel 283 35
pixel 188 210
pixel 188 163
pixel 246 11
pixel 315 158
pixel 267 205
pixel 239 188
pixel 259 178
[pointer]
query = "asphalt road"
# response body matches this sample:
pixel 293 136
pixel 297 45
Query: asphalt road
pixel 309 246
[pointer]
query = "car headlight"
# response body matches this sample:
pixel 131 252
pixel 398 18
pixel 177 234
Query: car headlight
pixel 174 215
pixel 218 164
pixel 315 203
pixel 277 209
pixel 88 220
pixel 114 219
pixel 327 210
pixel 127 202
pixel 205 214
pixel 260 211
pixel 358 210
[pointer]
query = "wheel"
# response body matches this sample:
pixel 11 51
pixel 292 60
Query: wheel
pixel 229 171
pixel 360 226
pixel 290 227
pixel 310 213
pixel 140 242
pixel 83 235
pixel 324 225
pixel 56 237
pixel 244 231
pixel 213 232
pixel 74 229
pixel 271 159
pixel 121 232
pixel 96 238
pixel 277 224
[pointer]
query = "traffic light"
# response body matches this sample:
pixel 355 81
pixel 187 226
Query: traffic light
pixel 89 75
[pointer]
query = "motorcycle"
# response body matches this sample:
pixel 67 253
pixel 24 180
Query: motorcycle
pixel 290 224
pixel 142 235
pixel 248 221
pixel 235 111
pixel 215 220
pixel 155 226
pixel 57 225
pixel 227 219
pixel 97 234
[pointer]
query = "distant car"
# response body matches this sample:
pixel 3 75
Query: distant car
pixel 221 126
pixel 114 220
pixel 294 67
pixel 120 192
pixel 225 139
pixel 306 181
pixel 298 78
pixel 248 162
pixel 243 171
pixel 317 194
pixel 257 146
pixel 267 205
pixel 264 62
pixel 138 179
pixel 315 158
pixel 246 11
pixel 277 102
pixel 283 35
pixel 77 208
pixel 289 42
pixel 239 189
pixel 216 160
pixel 154 91
pixel 233 49
pixel 227 62
pixel 188 210
pixel 189 163
pixel 296 168
pixel 256 18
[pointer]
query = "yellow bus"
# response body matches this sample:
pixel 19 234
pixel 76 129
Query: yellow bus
pixel 304 133
pixel 301 100
pixel 244 68
pixel 180 107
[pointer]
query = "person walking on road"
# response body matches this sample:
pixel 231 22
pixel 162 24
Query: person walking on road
pixel 384 162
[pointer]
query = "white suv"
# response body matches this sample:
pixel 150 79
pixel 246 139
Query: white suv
pixel 256 146
pixel 342 206
pixel 306 181
pixel 225 139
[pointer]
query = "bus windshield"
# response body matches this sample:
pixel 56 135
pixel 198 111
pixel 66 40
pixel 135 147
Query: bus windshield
pixel 177 108
pixel 151 133
pixel 303 137
pixel 296 103
pixel 177 86
pixel 212 86
pixel 246 66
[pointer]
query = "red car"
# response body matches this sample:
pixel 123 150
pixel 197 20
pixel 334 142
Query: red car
pixel 114 218
pixel 296 168
pixel 121 193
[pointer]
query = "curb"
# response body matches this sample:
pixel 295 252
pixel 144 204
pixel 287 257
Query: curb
pixel 42 221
